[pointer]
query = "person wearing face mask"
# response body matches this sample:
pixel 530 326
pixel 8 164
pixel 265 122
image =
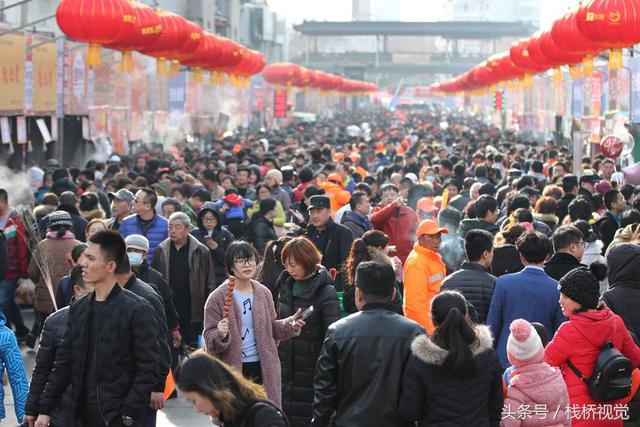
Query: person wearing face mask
pixel 240 323
pixel 137 249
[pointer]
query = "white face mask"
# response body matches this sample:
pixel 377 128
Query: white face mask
pixel 135 258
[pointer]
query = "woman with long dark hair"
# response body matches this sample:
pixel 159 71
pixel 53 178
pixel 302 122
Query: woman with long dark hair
pixel 218 390
pixel 272 266
pixel 373 246
pixel 453 377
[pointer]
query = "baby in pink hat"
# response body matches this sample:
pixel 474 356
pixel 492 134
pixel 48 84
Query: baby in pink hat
pixel 536 394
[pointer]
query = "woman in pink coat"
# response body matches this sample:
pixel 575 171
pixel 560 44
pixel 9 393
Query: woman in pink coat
pixel 579 340
pixel 537 394
pixel 240 325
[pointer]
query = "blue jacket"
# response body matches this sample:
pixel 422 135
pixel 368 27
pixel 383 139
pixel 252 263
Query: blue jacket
pixel 11 359
pixel 529 294
pixel 235 211
pixel 156 234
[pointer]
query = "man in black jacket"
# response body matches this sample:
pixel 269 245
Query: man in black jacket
pixel 609 223
pixel 570 188
pixel 108 354
pixel 331 239
pixel 568 247
pixel 53 333
pixel 128 281
pixel 473 279
pixel 355 385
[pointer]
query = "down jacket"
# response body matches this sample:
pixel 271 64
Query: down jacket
pixel 579 340
pixel 400 224
pixel 623 296
pixel 55 326
pixel 299 355
pixel 434 396
pixel 536 385
pixel 476 284
pixel 158 231
pixel 127 367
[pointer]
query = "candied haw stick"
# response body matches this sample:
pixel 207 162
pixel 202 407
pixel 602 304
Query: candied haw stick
pixel 229 296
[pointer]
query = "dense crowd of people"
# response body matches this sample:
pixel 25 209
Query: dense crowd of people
pixel 426 270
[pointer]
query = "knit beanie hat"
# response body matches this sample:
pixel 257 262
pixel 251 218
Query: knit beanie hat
pixel 137 241
pixel 581 285
pixel 524 346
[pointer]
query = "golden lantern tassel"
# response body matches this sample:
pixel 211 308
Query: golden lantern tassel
pixel 528 80
pixel 197 75
pixel 557 76
pixel 615 59
pixel 161 67
pixel 587 66
pixel 93 55
pixel 175 68
pixel 126 62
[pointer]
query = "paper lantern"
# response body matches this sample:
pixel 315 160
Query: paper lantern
pixel 568 37
pixel 145 31
pixel 612 24
pixel 281 73
pixel 175 34
pixel 97 22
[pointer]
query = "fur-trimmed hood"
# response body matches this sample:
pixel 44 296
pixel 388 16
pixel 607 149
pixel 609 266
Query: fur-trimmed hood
pixel 93 214
pixel 427 351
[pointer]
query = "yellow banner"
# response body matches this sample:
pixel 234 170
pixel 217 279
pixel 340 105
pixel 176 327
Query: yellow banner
pixel 44 77
pixel 12 72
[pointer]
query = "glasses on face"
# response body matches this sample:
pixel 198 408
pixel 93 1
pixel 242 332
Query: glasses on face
pixel 581 243
pixel 244 262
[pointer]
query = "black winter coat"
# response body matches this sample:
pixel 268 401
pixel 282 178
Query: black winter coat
pixel 606 228
pixel 355 224
pixel 560 264
pixel 260 232
pixel 55 326
pixel 334 243
pixel 562 209
pixel 298 355
pixel 506 259
pixel 359 374
pixel 155 279
pixel 126 358
pixel 623 296
pixel 221 236
pixel 476 284
pixel 260 414
pixel 146 291
pixel 437 397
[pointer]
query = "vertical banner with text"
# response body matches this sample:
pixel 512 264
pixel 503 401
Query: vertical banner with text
pixel 12 50
pixel 44 77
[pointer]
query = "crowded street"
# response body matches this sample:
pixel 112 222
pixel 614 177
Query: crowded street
pixel 352 214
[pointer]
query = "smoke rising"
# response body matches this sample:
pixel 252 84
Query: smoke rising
pixel 17 185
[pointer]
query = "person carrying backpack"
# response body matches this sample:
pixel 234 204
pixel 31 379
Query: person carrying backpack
pixel 581 349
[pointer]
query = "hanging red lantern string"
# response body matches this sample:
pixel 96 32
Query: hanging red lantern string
pixel 97 22
pixel 567 36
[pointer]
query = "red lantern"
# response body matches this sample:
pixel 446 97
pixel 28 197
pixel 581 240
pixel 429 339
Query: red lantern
pixel 611 23
pixel 281 73
pixel 552 51
pixel 95 22
pixel 611 146
pixel 568 37
pixel 176 32
pixel 145 32
pixel 194 40
pixel 521 57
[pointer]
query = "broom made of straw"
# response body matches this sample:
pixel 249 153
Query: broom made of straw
pixel 33 239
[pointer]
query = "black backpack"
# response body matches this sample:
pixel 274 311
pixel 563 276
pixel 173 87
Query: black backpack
pixel 611 378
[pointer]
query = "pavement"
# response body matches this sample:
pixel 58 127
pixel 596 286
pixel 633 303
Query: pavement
pixel 177 412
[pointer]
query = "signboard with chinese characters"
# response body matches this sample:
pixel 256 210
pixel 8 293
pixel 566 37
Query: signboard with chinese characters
pixel 12 47
pixel 44 77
